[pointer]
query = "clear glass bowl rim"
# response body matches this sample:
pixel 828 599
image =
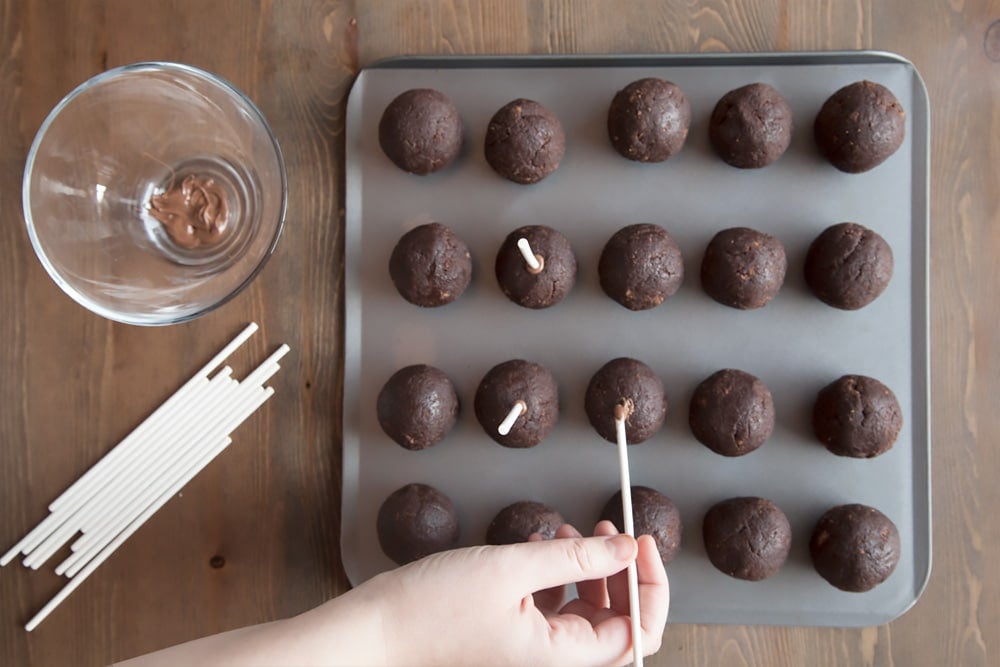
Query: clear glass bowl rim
pixel 152 65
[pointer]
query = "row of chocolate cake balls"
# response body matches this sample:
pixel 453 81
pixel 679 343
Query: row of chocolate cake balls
pixel 854 547
pixel 847 266
pixel 731 412
pixel 857 128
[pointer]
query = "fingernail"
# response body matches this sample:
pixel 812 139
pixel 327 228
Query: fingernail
pixel 622 547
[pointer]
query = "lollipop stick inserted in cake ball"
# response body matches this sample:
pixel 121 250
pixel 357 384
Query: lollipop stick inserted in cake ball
pixel 508 423
pixel 622 412
pixel 506 385
pixel 535 267
pixel 535 262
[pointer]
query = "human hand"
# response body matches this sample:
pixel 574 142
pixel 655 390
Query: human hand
pixel 502 605
pixel 496 605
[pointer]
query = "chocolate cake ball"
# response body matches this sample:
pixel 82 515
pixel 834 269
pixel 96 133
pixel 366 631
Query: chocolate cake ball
pixel 859 127
pixel 732 413
pixel 857 416
pixel 854 547
pixel 515 523
pixel 751 126
pixel 430 266
pixel 743 268
pixel 652 514
pixel 421 131
pixel 415 521
pixel 747 538
pixel 648 120
pixel 641 266
pixel 509 383
pixel 524 142
pixel 621 380
pixel 848 266
pixel 417 406
pixel 550 282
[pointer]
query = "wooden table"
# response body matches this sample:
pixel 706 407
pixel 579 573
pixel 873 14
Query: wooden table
pixel 255 536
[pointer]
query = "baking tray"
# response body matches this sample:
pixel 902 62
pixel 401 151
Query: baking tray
pixel 796 344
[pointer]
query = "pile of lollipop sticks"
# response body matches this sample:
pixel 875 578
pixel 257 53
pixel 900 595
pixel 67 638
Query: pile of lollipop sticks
pixel 126 487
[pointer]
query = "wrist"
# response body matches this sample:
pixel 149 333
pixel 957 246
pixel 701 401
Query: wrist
pixel 346 630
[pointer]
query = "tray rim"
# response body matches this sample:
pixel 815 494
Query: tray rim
pixel 920 247
pixel 715 58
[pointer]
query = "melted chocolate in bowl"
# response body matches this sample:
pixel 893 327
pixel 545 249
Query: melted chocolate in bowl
pixel 202 212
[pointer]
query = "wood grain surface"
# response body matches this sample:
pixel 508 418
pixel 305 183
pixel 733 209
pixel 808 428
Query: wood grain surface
pixel 255 536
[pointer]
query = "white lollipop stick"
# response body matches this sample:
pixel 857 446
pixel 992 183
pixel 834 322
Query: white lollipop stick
pixel 69 497
pixel 99 516
pixel 245 406
pixel 622 411
pixel 124 535
pixel 535 262
pixel 201 423
pixel 508 423
pixel 113 496
pixel 81 491
pixel 105 484
pixel 97 476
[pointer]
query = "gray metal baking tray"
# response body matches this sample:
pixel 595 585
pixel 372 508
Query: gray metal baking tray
pixel 796 344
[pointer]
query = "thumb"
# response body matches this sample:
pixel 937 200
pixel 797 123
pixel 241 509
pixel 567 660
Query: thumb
pixel 552 563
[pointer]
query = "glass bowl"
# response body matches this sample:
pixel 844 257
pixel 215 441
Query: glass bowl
pixel 154 193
